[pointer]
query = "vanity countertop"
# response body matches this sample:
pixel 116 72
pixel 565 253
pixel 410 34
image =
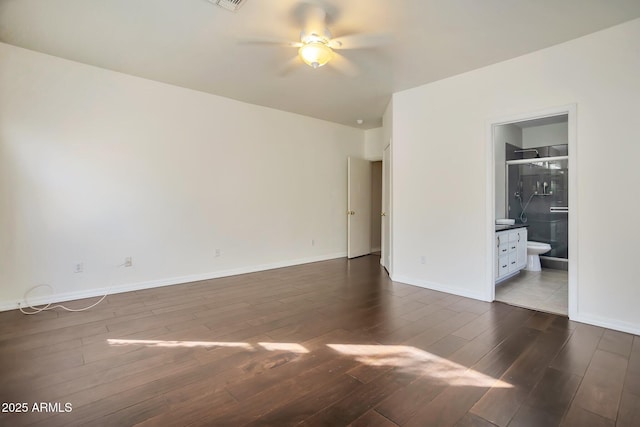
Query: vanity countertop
pixel 510 227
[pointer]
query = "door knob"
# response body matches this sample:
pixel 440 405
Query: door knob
pixel 383 214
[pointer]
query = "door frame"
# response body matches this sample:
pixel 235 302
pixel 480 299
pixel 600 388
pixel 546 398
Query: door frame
pixel 386 242
pixel 571 111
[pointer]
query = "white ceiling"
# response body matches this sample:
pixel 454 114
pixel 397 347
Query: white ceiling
pixel 194 44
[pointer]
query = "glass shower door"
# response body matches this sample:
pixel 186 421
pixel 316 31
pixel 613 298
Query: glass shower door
pixel 538 195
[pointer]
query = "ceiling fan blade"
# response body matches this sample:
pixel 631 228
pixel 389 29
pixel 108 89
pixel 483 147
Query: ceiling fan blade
pixel 289 66
pixel 361 41
pixel 343 65
pixel 270 41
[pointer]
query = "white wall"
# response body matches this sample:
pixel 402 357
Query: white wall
pixel 511 134
pixel 374 143
pixel 542 136
pixel 96 166
pixel 440 165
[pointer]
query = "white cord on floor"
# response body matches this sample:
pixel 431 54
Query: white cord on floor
pixel 50 306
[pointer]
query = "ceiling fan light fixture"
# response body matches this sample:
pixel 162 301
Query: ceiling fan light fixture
pixel 315 53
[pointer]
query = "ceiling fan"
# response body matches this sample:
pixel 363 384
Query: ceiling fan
pixel 317 47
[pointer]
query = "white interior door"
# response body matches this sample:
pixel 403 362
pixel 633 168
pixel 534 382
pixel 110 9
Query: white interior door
pixel 359 208
pixel 386 187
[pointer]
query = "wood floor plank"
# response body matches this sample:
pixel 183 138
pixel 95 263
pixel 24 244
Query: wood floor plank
pixel 309 404
pixel 186 376
pixel 441 330
pixel 471 353
pixel 451 405
pixel 448 408
pixel 528 416
pixel 354 405
pixel 540 321
pixel 271 371
pixel 601 387
pixel 471 306
pixel 579 349
pixel 366 373
pixel 629 413
pixel 632 379
pixel 447 345
pixel 579 417
pixel 400 406
pixel 471 420
pixel 372 419
pixel 499 405
pixel 483 322
pixel 549 401
pixel 280 394
pixel 417 327
pixel 616 342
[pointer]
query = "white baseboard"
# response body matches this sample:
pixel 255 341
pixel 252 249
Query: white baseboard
pixel 440 287
pixel 616 325
pixel 128 287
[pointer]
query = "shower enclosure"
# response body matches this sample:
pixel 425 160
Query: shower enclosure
pixel 537 184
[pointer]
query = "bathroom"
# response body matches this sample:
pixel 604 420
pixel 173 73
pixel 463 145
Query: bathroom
pixel 532 201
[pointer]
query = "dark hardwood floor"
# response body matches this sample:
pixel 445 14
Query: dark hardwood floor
pixel 331 343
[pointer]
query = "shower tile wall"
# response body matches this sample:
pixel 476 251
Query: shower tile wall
pixel 528 181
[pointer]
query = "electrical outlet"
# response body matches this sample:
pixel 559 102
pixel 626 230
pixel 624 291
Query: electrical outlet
pixel 217 253
pixel 128 261
pixel 313 242
pixel 423 260
pixel 79 267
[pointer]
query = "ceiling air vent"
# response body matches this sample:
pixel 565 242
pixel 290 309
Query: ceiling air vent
pixel 231 5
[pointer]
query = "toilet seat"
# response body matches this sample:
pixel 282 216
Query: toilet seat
pixel 538 246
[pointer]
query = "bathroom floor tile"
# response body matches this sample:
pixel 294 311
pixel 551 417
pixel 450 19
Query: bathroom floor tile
pixel 545 290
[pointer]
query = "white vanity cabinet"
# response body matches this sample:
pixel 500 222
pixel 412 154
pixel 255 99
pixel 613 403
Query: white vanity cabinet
pixel 511 252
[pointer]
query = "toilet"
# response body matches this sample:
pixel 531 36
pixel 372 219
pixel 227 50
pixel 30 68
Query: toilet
pixel 534 249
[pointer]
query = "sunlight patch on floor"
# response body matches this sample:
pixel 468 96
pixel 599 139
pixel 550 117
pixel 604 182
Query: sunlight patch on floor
pixel 171 344
pixel 284 346
pixel 418 362
pixel 408 359
pixel 269 346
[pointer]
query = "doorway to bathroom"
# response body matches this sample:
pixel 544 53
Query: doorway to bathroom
pixel 533 189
